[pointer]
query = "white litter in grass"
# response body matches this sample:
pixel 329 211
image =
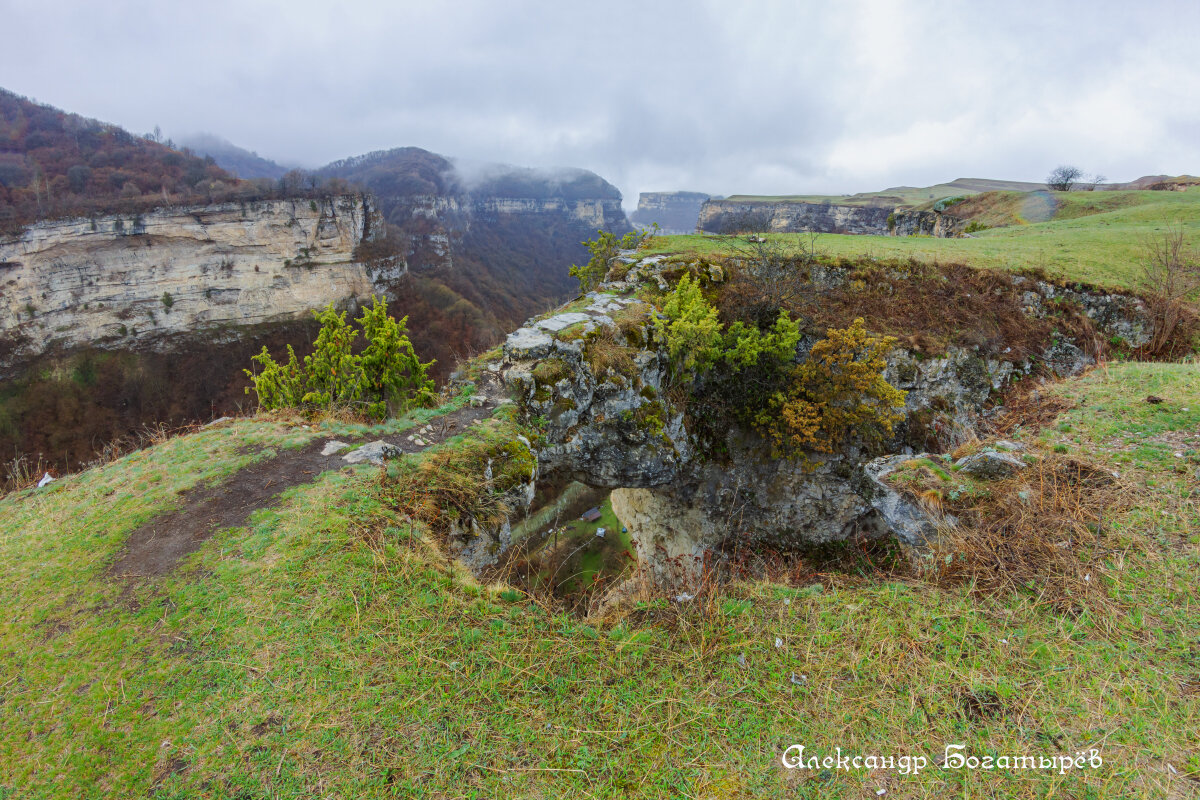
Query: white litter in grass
pixel 803 679
pixel 600 532
pixel 778 643
pixel 684 597
pixel 47 478
pixel 742 659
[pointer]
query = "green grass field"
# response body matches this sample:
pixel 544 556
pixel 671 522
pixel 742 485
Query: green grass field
pixel 329 650
pixel 1094 237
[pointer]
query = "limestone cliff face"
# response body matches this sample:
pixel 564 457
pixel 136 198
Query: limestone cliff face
pixel 595 213
pixel 926 223
pixel 459 210
pixel 132 281
pixel 724 216
pixel 675 212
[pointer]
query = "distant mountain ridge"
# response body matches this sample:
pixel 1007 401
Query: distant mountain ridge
pixel 57 164
pixel 237 160
pixel 495 239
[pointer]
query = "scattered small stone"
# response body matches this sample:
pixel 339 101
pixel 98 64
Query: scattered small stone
pixel 419 442
pixel 478 401
pixel 333 446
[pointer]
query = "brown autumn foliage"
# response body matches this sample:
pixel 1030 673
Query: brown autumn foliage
pixel 927 307
pixel 1041 530
pixel 1171 275
pixel 54 164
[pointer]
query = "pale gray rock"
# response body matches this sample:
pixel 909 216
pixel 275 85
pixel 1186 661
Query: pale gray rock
pixel 528 343
pixel 561 321
pixel 375 453
pixel 333 446
pixel 1066 359
pixel 905 519
pixel 990 464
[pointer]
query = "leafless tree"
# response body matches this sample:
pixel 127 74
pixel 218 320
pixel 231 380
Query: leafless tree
pixel 1063 178
pixel 1171 275
pixel 776 268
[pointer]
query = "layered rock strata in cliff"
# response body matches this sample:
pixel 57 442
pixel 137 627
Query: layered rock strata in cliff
pixel 674 212
pixel 926 223
pixel 126 281
pixel 731 216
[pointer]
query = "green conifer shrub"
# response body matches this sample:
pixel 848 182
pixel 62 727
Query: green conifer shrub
pixel 386 377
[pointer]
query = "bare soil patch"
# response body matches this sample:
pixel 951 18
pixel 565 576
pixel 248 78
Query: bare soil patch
pixel 160 544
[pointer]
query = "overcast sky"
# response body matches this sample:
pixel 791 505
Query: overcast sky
pixel 734 97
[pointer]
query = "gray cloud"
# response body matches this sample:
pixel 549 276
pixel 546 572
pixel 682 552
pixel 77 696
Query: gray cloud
pixel 752 97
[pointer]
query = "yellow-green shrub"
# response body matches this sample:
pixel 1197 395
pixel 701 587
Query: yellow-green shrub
pixel 838 393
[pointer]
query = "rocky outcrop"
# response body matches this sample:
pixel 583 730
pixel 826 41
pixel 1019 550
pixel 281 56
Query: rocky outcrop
pixel 137 281
pixel 674 212
pixel 925 223
pixel 616 425
pixel 732 216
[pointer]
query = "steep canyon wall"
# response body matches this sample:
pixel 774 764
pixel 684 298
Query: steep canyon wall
pixel 126 282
